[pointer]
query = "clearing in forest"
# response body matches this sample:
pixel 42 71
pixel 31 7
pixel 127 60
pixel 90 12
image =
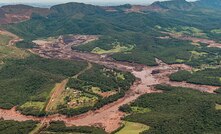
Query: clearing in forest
pixel 132 128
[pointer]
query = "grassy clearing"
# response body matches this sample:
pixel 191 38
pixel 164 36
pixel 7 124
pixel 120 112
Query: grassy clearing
pixel 95 90
pixel 191 31
pixel 196 54
pixel 4 39
pixel 71 98
pixel 117 48
pixel 218 107
pixel 34 105
pixel 55 95
pixel 173 111
pixel 216 31
pixel 133 128
pixel 180 60
pixel 7 52
pixel 140 110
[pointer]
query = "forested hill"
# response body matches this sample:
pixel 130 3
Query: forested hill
pixel 79 18
pixel 209 3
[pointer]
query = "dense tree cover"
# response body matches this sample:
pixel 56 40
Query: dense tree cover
pixel 14 127
pixel 204 77
pixel 59 127
pixel 179 110
pixel 32 79
pixel 147 48
pixel 182 75
pixel 125 108
pixel 218 91
pixel 25 44
pixel 106 80
pixel 139 29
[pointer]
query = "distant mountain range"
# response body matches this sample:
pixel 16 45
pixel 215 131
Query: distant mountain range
pixel 18 13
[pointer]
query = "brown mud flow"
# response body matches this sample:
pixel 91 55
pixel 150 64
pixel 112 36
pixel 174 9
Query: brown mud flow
pixel 107 117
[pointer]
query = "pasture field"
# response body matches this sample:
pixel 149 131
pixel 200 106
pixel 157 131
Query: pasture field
pixel 218 107
pixel 117 48
pixel 140 109
pixel 174 110
pixel 32 107
pixel 73 99
pixel 184 30
pixel 9 52
pixel 93 89
pixel 216 31
pixel 132 128
pixel 4 39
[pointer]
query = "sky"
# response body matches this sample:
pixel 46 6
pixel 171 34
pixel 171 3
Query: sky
pixel 98 2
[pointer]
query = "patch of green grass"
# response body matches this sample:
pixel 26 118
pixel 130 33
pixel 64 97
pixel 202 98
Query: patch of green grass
pixel 133 128
pixel 216 31
pixel 115 49
pixel 4 39
pixel 180 60
pixel 218 107
pixel 184 30
pixel 95 90
pixel 173 111
pixel 34 105
pixel 7 52
pixel 198 53
pixel 140 109
pixel 120 76
pixel 74 99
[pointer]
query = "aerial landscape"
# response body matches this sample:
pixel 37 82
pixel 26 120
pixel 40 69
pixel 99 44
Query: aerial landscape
pixel 84 68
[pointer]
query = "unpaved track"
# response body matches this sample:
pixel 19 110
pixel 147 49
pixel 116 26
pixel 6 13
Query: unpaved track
pixel 57 91
pixel 108 117
pixel 15 38
pixel 84 70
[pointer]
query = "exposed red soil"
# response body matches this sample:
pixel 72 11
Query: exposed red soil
pixel 19 13
pixel 108 117
pixel 142 9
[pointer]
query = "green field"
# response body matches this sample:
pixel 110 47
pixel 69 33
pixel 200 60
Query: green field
pixel 4 39
pixel 84 92
pixel 117 48
pixel 216 31
pixel 218 107
pixel 140 109
pixel 37 106
pixel 184 30
pixel 174 110
pixel 132 128
pixel 8 52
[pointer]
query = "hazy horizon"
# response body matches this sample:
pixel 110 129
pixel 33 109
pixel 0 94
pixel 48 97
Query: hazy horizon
pixel 97 2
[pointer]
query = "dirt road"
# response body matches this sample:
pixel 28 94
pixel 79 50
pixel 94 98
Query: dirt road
pixel 56 92
pixel 108 117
